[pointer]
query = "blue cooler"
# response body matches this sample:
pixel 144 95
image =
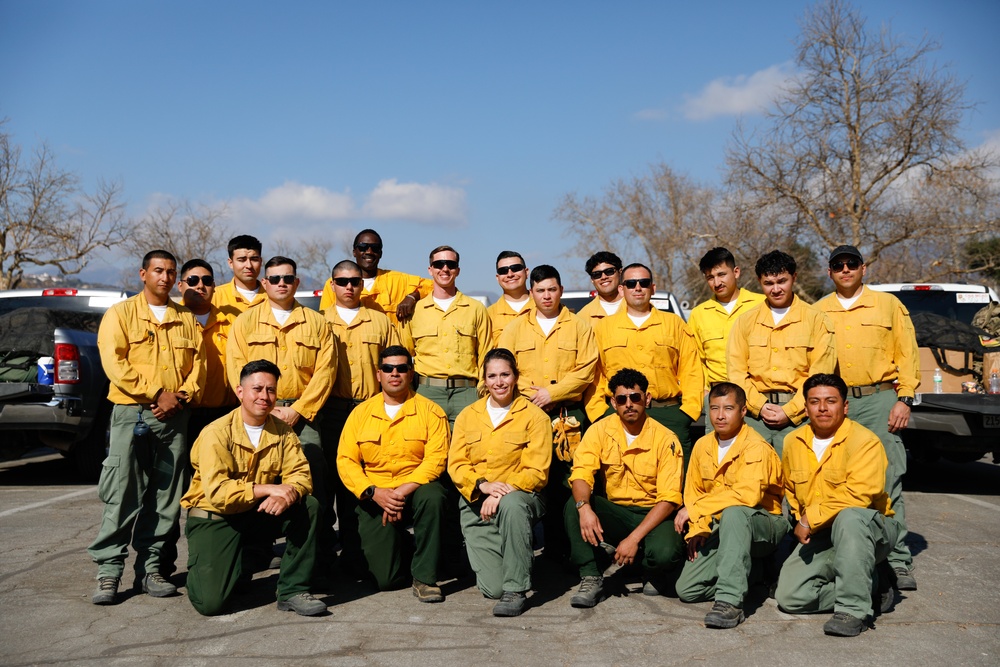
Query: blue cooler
pixel 46 370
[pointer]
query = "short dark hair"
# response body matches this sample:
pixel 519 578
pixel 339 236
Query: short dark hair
pixel 395 351
pixel 244 241
pixel 775 262
pixel 259 366
pixel 637 265
pixel 728 389
pixel 157 254
pixel 628 378
pixel 507 254
pixel 603 257
pixel 501 354
pixel 344 265
pixel 197 263
pixel 544 272
pixel 363 232
pixel 279 260
pixel 442 248
pixel 825 380
pixel 714 257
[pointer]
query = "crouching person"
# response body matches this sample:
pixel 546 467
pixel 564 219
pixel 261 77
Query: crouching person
pixel 641 466
pixel 499 461
pixel 834 472
pixel 732 505
pixel 250 478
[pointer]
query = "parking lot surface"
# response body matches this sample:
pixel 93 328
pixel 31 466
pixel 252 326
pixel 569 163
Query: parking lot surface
pixel 47 520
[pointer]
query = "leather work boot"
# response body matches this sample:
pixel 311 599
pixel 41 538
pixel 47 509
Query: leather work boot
pixel 589 593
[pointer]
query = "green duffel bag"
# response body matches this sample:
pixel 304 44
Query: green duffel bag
pixel 19 366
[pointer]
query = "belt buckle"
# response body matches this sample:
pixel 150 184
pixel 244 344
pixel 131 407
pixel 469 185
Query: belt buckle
pixel 856 392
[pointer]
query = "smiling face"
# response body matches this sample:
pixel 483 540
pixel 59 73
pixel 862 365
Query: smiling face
pixel 637 297
pixel 606 286
pixel 779 289
pixel 257 394
pixel 158 279
pixel 512 283
pixel 501 381
pixel 445 276
pixel 368 253
pixel 722 280
pixel 826 409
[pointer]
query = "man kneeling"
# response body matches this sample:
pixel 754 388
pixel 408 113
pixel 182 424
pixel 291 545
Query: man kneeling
pixel 642 467
pixel 732 498
pixel 237 460
pixel 835 484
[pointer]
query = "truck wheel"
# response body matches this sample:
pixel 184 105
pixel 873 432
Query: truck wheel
pixel 89 453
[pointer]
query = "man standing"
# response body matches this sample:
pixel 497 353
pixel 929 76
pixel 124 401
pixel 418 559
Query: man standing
pixel 448 335
pixel 642 465
pixel 298 340
pixel 605 271
pixel 154 357
pixel 516 303
pixel 391 292
pixel 250 478
pixel 774 347
pixel 245 290
pixel 732 499
pixel 641 336
pixel 393 449
pixel 711 320
pixel 876 347
pixel 834 471
pixel 556 357
pixel 363 334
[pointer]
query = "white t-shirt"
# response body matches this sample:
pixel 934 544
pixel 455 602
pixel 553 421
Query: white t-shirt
pixel 281 315
pixel 629 438
pixel 610 307
pixel 347 314
pixel 638 320
pixel 159 312
pixel 444 304
pixel 820 445
pixel 778 314
pixel 730 306
pixel 248 294
pixel 202 319
pixel 546 323
pixel 368 282
pixel 724 446
pixel 847 303
pixel 496 413
pixel 517 306
pixel 392 410
pixel 253 432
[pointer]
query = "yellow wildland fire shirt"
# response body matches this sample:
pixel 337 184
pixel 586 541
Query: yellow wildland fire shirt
pixel 388 290
pixel 227 295
pixel 227 465
pixel 142 356
pixel 218 392
pixel 501 315
pixel 448 344
pixel 361 341
pixel 517 451
pixel 748 476
pixel 711 323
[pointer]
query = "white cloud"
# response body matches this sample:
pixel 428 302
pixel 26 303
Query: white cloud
pixel 392 200
pixel 295 201
pixel 730 96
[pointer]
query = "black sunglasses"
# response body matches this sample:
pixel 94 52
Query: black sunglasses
pixel 365 247
pixel 644 283
pixel 597 275
pixel 344 282
pixel 388 368
pixel 635 397
pixel 207 281
pixel 274 280
pixel 852 264
pixel 445 263
pixel 504 270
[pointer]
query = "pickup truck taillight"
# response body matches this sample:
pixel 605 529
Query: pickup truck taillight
pixel 67 363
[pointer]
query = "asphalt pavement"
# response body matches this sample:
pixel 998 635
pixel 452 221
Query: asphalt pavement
pixel 47 520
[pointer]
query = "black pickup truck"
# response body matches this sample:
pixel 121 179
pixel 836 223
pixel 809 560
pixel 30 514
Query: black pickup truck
pixel 70 415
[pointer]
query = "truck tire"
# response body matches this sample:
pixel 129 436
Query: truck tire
pixel 89 454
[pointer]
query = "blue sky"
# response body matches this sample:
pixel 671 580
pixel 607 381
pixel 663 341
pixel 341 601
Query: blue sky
pixel 433 122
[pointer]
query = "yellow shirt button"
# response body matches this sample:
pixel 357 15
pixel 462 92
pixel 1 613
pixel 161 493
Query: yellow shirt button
pixel 774 368
pixel 164 368
pixel 774 349
pixel 848 347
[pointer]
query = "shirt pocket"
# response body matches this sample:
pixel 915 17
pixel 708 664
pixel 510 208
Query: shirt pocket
pixel 142 352
pixel 477 451
pixel 185 350
pixel 835 477
pixel 514 443
pixel 758 353
pixel 370 447
pixel 262 345
pixel 876 332
pixel 664 354
pixel 414 440
pixel 465 336
pixel 306 349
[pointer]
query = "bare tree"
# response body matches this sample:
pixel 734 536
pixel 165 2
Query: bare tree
pixel 663 218
pixel 47 219
pixel 185 229
pixel 857 141
pixel 313 256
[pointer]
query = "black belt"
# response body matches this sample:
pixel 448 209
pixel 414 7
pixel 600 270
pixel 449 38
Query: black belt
pixel 869 389
pixel 666 403
pixel 450 383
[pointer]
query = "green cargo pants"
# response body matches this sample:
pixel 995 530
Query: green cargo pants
pixel 834 571
pixel 722 569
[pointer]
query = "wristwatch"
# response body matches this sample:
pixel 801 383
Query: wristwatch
pixel 581 503
pixel 906 400
pixel 368 493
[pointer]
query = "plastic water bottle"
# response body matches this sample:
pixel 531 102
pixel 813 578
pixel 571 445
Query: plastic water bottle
pixel 938 382
pixel 994 382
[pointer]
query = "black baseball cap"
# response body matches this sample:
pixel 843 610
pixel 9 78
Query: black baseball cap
pixel 848 250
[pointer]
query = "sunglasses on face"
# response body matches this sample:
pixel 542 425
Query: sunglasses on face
pixel 344 282
pixel 365 247
pixel 274 280
pixel 207 281
pixel 400 368
pixel 644 283
pixel 852 264
pixel 447 263
pixel 622 399
pixel 597 275
pixel 504 270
